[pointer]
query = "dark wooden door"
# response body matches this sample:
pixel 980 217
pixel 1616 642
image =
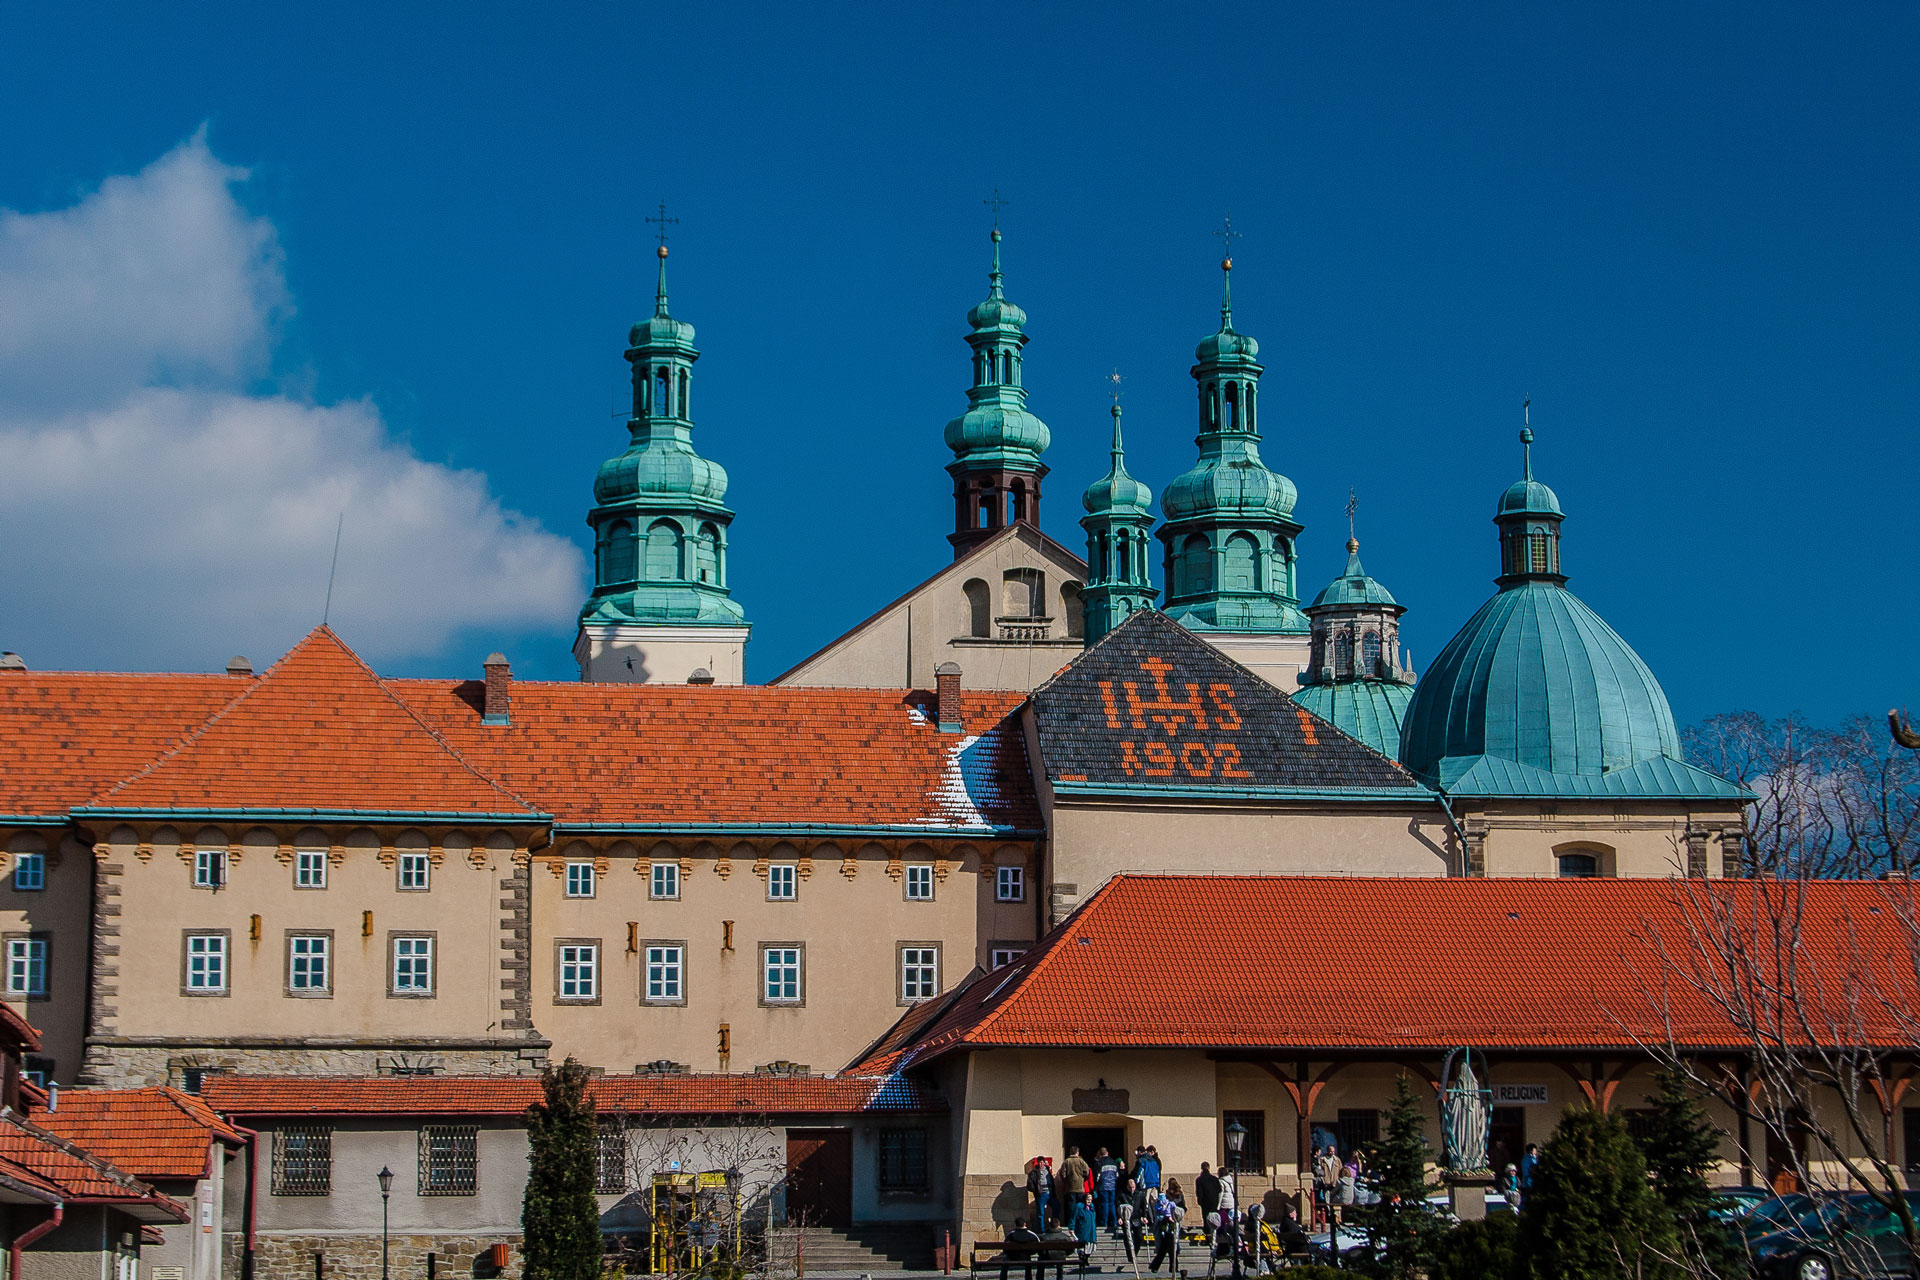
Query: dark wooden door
pixel 1506 1137
pixel 820 1177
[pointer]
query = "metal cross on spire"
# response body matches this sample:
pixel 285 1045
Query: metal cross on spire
pixel 664 222
pixel 1227 236
pixel 1114 380
pixel 1353 504
pixel 997 203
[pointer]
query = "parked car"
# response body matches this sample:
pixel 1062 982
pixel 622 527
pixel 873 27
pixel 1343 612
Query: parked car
pixel 1849 1236
pixel 1735 1203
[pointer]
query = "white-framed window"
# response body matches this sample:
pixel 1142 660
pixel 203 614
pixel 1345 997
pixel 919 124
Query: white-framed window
pixel 666 972
pixel 666 880
pixel 1010 884
pixel 308 970
pixel 782 969
pixel 919 973
pixel 783 881
pixel 310 869
pixel 413 966
pixel 920 882
pixel 416 871
pixel 29 871
pixel 579 879
pixel 1002 956
pixel 580 970
pixel 206 962
pixel 27 967
pixel 209 868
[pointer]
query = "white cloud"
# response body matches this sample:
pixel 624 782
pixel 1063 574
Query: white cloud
pixel 154 513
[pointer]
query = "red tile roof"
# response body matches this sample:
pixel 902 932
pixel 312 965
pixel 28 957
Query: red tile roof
pixel 238 1094
pixel 151 1133
pixel 67 736
pixel 1288 963
pixel 322 731
pixel 318 731
pixel 30 1152
pixel 679 754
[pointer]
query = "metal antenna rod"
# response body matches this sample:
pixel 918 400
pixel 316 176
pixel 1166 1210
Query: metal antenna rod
pixel 326 611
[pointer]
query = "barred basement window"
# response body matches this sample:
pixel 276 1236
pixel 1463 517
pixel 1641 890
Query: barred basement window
pixel 903 1160
pixel 303 1161
pixel 449 1160
pixel 610 1157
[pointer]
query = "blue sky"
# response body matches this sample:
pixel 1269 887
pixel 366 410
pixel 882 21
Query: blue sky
pixel 1687 231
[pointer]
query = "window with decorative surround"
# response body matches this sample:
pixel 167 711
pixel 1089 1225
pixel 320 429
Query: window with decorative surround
pixel 309 964
pixel 27 968
pixel 449 1160
pixel 579 977
pixel 666 973
pixel 919 973
pixel 303 1160
pixel 206 964
pixel 783 975
pixel 413 966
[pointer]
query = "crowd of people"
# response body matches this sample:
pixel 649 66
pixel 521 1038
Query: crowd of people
pixel 1144 1207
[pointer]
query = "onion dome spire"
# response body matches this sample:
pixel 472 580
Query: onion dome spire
pixel 1229 531
pixel 1356 675
pixel 660 518
pixel 997 442
pixel 1529 517
pixel 1119 522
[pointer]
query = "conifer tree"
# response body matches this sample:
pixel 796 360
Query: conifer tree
pixel 559 1217
pixel 1590 1214
pixel 1681 1145
pixel 1402 1228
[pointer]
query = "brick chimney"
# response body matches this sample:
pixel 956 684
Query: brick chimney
pixel 499 690
pixel 946 678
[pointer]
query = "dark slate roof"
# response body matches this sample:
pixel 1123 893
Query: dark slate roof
pixel 1153 708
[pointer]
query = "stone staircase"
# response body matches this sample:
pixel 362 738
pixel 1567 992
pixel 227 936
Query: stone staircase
pixel 908 1247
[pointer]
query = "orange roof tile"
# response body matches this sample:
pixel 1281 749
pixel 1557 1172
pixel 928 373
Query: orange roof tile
pixel 238 1094
pixel 80 1175
pixel 1285 962
pixel 69 735
pixel 151 1133
pixel 667 754
pixel 317 731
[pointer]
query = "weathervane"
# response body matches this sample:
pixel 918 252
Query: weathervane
pixel 998 204
pixel 1227 236
pixel 1114 379
pixel 664 222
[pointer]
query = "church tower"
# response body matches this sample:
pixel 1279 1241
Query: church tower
pixel 996 443
pixel 1229 532
pixel 660 609
pixel 1118 521
pixel 1356 675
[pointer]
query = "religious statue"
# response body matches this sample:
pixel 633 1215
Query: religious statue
pixel 1903 733
pixel 1465 1108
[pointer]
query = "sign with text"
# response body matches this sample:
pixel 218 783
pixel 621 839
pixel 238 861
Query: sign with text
pixel 1517 1095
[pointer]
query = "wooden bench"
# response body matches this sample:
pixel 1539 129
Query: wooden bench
pixel 1028 1256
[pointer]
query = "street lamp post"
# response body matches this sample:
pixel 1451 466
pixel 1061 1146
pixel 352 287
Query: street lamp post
pixel 386 1188
pixel 1236 1143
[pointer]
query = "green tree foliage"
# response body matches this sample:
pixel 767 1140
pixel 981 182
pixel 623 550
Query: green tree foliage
pixel 559 1216
pixel 1681 1145
pixel 1483 1250
pixel 1402 1227
pixel 1590 1214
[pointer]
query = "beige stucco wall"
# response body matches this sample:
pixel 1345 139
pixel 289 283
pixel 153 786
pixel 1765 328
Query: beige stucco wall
pixel 660 655
pixel 850 927
pixel 195 1247
pixel 931 625
pixel 1275 659
pixel 83 1246
pixel 141 1001
pixel 1631 838
pixel 1092 842
pixel 60 913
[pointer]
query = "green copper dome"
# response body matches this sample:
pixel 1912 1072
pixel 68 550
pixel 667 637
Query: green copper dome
pixel 1527 496
pixel 660 466
pixel 1536 677
pixel 1370 710
pixel 997 432
pixel 1355 586
pixel 1117 492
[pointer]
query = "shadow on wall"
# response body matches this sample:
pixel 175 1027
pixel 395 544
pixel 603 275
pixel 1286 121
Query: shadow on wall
pixel 1010 1204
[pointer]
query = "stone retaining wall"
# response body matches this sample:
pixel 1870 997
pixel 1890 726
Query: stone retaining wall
pixel 133 1066
pixel 357 1257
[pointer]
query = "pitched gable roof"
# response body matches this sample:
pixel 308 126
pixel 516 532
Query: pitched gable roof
pixel 40 1158
pixel 1243 964
pixel 679 755
pixel 151 1133
pixel 1031 534
pixel 318 732
pixel 69 735
pixel 239 1094
pixel 1154 707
